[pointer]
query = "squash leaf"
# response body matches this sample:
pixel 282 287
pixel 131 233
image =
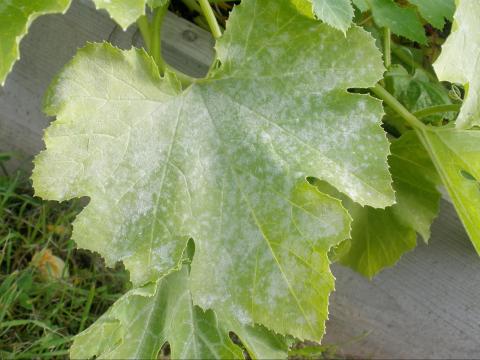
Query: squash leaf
pixel 224 162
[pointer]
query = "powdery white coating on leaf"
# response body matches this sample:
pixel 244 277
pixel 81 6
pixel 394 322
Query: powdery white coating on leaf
pixel 224 162
pixel 459 61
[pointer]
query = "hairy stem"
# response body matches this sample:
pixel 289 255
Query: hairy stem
pixel 211 20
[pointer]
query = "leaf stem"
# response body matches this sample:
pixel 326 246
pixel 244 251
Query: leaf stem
pixel 398 107
pixel 156 39
pixel 144 28
pixel 387 47
pixel 211 19
pixel 420 114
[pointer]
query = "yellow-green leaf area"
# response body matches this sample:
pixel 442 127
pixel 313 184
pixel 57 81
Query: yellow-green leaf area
pixel 456 154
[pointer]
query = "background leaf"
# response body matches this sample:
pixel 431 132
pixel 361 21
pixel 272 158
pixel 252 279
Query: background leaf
pixel 457 157
pixel 458 62
pixel 417 92
pixel 16 16
pixel 337 13
pixel 126 12
pixel 401 21
pixel 435 11
pixel 381 236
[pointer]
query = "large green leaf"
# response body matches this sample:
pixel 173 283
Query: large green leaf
pixel 436 11
pixel 402 21
pixel 381 236
pixel 224 162
pixel 16 16
pixel 456 154
pixel 144 319
pixel 459 60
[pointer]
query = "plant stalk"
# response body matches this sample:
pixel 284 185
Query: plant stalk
pixel 156 31
pixel 420 114
pixel 387 47
pixel 144 28
pixel 211 19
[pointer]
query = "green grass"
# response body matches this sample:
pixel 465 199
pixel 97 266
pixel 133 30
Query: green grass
pixel 39 315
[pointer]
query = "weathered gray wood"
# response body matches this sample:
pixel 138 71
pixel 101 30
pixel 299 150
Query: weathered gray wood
pixel 425 307
pixel 53 40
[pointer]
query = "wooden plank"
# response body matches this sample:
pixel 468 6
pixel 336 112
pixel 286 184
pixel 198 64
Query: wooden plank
pixel 53 40
pixel 425 307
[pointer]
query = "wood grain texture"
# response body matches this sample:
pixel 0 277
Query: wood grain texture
pixel 425 307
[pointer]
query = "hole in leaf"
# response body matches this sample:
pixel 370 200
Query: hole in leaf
pixel 164 352
pixel 236 340
pixel 357 91
pixel 467 175
pixel 189 252
pixel 470 177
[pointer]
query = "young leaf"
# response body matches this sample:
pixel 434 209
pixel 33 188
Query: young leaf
pixel 224 162
pixel 459 62
pixel 436 11
pixel 16 16
pixel 144 319
pixel 456 154
pixel 402 21
pixel 381 237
